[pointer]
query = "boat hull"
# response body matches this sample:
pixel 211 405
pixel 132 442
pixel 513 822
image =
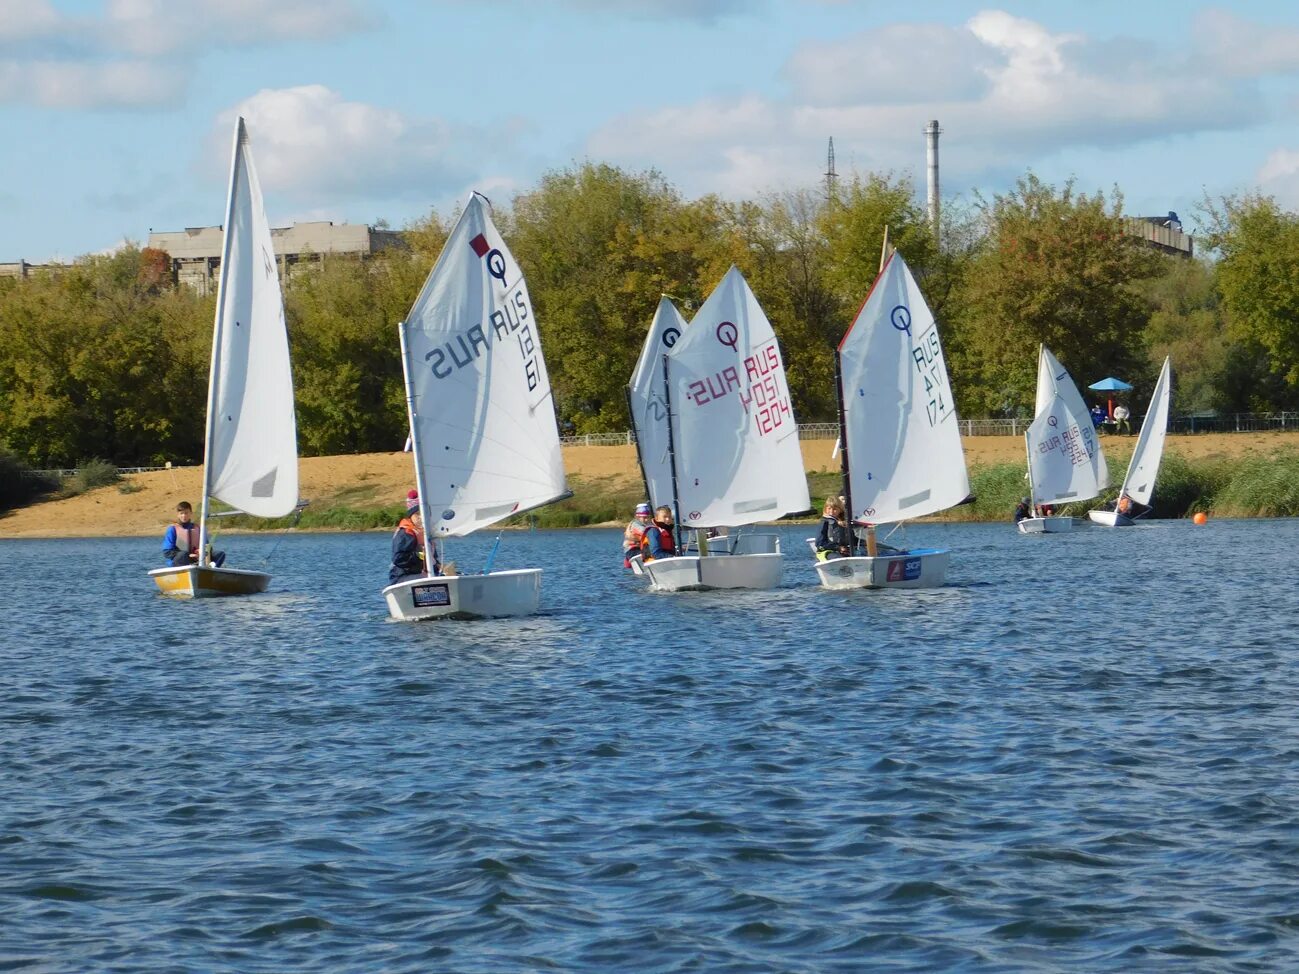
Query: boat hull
pixel 193 582
pixel 694 573
pixel 1111 519
pixel 1045 525
pixel 492 596
pixel 922 568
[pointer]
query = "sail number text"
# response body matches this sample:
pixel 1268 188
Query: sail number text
pixel 927 353
pixel 1073 443
pixel 762 391
pixel 508 321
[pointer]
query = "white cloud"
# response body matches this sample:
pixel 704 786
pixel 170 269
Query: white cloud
pixel 135 53
pixel 1227 44
pixel 703 11
pixel 311 144
pixel 59 84
pixel 903 63
pixel 1005 89
pixel 162 27
pixel 1279 176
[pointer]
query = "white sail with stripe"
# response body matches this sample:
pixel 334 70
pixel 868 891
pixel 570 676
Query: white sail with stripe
pixel 483 426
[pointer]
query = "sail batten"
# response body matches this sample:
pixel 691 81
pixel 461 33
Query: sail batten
pixel 482 413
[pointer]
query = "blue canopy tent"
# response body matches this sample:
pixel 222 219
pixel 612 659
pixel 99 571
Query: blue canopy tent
pixel 1111 385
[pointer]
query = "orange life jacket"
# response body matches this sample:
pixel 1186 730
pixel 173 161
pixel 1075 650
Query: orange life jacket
pixel 407 525
pixel 1124 505
pixel 634 535
pixel 666 541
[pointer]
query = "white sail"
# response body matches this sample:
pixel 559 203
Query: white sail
pixel 252 452
pixel 482 417
pixel 1139 482
pixel 1064 456
pixel 649 414
pixel 735 438
pixel 900 429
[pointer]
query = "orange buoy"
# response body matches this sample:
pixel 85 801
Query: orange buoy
pixel 1200 517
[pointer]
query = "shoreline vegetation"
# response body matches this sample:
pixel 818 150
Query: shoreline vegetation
pixel 1223 475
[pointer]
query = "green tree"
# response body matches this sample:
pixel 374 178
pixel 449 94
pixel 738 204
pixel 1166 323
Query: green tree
pixel 1058 269
pixel 1188 325
pixel 599 247
pixel 1258 278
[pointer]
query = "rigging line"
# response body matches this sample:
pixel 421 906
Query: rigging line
pixel 296 518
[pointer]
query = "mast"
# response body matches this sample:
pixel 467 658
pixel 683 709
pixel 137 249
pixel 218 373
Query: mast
pixel 672 455
pixel 843 448
pixel 218 327
pixel 414 448
pixel 1032 494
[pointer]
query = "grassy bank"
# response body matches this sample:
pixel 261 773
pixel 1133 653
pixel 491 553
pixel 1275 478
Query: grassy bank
pixel 1259 486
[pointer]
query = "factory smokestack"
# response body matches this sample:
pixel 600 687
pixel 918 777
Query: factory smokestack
pixel 932 131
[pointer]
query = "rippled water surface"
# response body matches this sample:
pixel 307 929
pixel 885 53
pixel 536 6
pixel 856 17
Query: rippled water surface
pixel 1080 754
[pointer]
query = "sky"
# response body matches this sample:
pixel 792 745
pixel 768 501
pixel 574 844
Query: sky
pixel 116 115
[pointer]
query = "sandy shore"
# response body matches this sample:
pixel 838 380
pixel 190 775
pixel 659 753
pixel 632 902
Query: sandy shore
pixel 143 504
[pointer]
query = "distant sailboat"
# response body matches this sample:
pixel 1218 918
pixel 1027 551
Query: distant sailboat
pixel 482 418
pixel 900 443
pixel 733 457
pixel 1065 461
pixel 250 449
pixel 1139 481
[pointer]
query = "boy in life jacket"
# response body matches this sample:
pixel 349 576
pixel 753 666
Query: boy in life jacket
pixel 408 547
pixel 659 541
pixel 635 534
pixel 180 542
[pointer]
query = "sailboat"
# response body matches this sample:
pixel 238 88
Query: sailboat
pixel 733 457
pixel 250 447
pixel 482 419
pixel 1139 481
pixel 1065 461
pixel 900 444
pixel 647 402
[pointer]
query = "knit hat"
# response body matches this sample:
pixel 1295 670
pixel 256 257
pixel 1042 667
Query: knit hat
pixel 643 509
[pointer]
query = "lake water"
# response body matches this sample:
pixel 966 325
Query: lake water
pixel 1080 754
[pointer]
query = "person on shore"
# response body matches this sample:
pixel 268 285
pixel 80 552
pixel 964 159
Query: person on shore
pixel 408 548
pixel 833 538
pixel 180 542
pixel 1023 510
pixel 659 541
pixel 1121 416
pixel 634 533
pixel 1098 417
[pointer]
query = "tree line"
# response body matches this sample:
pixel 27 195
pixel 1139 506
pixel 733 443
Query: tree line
pixel 108 357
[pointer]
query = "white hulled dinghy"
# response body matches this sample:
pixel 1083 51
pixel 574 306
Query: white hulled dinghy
pixel 1139 481
pixel 1065 460
pixel 900 443
pixel 482 419
pixel 250 447
pixel 725 453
